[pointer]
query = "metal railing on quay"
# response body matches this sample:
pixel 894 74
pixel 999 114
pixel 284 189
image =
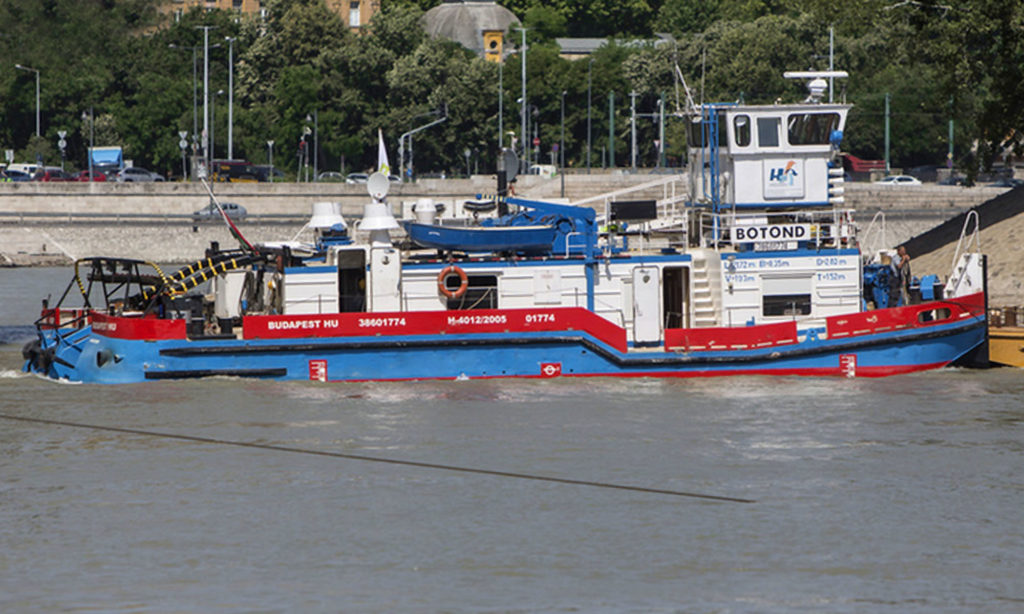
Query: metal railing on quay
pixel 46 218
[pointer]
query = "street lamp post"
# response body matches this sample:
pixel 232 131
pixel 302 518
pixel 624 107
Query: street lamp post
pixel 231 96
pixel 632 129
pixel 501 95
pixel 89 153
pixel 206 93
pixel 525 162
pixel 561 147
pixel 26 68
pixel 590 69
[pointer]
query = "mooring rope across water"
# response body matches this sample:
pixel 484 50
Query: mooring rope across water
pixel 375 459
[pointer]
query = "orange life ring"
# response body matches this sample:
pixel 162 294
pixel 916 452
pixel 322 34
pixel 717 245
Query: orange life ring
pixel 463 281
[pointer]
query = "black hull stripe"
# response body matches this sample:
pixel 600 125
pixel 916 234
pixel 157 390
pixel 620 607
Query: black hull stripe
pixel 600 349
pixel 196 373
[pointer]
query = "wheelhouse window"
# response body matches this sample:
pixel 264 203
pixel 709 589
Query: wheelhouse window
pixel 481 292
pixel 768 131
pixel 698 131
pixel 812 128
pixel 741 128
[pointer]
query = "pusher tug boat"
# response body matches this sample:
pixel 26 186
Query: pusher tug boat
pixel 755 268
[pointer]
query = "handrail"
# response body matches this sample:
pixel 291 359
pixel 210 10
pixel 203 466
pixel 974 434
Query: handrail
pixel 867 233
pixel 972 214
pixel 636 188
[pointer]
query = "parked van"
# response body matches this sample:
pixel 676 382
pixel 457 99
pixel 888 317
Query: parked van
pixel 28 168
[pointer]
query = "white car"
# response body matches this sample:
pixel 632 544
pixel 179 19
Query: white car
pixel 135 173
pixel 899 180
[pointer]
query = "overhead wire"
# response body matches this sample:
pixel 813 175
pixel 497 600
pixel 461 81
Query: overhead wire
pixel 376 459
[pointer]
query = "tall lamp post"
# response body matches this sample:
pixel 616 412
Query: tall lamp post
pixel 590 68
pixel 524 137
pixel 231 96
pixel 561 147
pixel 206 93
pixel 89 116
pixel 26 68
pixel 501 94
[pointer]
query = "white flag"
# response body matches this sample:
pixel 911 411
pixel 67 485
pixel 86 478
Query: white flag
pixel 382 154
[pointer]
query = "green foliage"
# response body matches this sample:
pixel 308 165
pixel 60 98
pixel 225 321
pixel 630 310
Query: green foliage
pixel 936 60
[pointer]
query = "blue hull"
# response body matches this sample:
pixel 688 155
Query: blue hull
pixel 89 357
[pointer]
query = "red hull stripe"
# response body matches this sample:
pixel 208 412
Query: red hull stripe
pixel 735 338
pixel 909 317
pixel 435 323
pixel 147 329
pixel 553 319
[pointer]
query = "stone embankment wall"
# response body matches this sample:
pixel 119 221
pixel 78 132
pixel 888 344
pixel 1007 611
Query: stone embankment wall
pixel 50 223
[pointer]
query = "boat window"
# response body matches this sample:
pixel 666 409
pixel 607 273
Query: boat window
pixel 768 131
pixel 741 126
pixel 698 131
pixel 481 292
pixel 812 128
pixel 934 315
pixel 787 305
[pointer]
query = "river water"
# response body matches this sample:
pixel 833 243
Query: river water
pixel 895 495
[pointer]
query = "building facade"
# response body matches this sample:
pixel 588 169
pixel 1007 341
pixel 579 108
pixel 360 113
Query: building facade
pixel 356 13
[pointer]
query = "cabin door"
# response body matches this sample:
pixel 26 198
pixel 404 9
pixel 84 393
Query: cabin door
pixel 675 282
pixel 351 280
pixel 646 305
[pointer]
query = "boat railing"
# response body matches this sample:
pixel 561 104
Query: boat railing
pixel 56 318
pixel 975 237
pixel 830 228
pixel 668 184
pixel 673 195
pixel 870 243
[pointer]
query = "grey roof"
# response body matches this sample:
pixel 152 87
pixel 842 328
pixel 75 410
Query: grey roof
pixel 465 22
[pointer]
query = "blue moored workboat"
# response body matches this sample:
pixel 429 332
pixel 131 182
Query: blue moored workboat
pixel 482 238
pixel 749 265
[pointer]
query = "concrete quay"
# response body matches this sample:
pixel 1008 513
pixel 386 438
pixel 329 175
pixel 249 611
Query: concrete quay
pixel 51 224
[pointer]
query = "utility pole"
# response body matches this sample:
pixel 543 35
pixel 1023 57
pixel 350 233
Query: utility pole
pixel 590 68
pixel 231 97
pixel 206 93
pixel 30 69
pixel 501 110
pixel 611 129
pixel 887 167
pixel 632 129
pixel 525 138
pixel 949 156
pixel 661 131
